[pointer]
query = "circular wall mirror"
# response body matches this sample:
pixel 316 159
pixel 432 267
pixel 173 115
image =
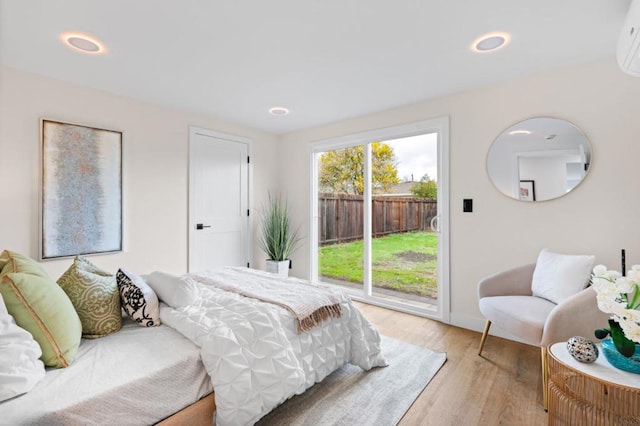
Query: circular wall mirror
pixel 539 159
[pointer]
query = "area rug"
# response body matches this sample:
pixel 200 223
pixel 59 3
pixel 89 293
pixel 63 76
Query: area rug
pixel 351 396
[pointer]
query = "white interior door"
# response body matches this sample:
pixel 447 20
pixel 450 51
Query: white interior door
pixel 218 200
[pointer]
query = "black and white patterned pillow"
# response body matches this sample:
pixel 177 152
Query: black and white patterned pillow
pixel 138 299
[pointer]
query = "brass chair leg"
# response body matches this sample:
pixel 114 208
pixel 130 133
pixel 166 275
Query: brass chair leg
pixel 545 378
pixel 484 336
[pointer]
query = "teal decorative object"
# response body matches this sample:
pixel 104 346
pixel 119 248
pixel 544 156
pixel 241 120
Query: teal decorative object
pixel 621 362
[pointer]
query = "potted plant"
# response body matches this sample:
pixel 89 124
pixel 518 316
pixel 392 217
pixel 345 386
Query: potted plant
pixel 277 239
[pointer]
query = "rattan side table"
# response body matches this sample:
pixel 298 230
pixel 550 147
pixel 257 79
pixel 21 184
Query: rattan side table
pixel 590 394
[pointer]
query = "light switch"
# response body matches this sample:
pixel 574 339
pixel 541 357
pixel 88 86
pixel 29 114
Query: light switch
pixel 467 205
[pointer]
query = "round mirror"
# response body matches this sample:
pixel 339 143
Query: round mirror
pixel 539 159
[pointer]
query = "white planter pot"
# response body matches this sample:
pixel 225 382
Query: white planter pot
pixel 278 267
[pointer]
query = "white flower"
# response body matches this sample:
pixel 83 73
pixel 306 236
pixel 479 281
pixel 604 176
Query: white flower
pixel 604 285
pixel 611 305
pixel 634 274
pixel 630 329
pixel 599 270
pixel 616 295
pixel 624 285
pixel 612 275
pixel 632 315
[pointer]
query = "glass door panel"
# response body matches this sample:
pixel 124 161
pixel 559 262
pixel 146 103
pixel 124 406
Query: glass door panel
pixel 340 217
pixel 404 248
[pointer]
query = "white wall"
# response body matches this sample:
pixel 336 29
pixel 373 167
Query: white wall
pixel 601 216
pixel 155 153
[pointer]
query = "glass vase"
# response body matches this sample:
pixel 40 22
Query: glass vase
pixel 620 361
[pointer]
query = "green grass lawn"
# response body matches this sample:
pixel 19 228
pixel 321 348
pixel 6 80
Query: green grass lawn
pixel 404 262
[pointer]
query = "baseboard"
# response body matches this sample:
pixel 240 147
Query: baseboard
pixel 477 324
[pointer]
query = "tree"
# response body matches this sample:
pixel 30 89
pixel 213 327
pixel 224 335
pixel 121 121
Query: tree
pixel 426 188
pixel 342 170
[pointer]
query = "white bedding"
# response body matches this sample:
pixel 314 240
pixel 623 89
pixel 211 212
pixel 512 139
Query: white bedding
pixel 254 355
pixel 135 376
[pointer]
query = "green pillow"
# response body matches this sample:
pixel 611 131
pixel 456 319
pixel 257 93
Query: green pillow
pixel 94 293
pixel 40 306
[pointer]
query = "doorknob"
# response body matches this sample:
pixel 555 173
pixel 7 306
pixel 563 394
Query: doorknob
pixel 201 226
pixel 435 223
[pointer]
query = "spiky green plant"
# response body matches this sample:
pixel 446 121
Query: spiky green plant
pixel 277 239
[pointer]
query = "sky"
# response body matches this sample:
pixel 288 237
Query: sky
pixel 416 155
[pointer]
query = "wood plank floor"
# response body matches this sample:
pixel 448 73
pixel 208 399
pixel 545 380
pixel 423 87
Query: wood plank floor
pixel 501 387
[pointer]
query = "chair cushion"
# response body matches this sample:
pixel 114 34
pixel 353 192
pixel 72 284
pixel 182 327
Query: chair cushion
pixel 521 316
pixel 559 276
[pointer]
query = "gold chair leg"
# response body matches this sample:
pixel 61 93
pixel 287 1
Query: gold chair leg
pixel 545 378
pixel 484 336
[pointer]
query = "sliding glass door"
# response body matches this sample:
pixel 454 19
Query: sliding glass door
pixel 379 204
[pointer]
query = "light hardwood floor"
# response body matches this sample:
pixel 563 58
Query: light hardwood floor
pixel 501 387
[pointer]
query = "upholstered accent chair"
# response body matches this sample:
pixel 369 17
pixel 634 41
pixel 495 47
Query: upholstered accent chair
pixel 506 299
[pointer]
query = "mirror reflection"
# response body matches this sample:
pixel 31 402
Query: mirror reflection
pixel 539 159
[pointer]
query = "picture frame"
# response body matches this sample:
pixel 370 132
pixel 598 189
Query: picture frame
pixel 80 190
pixel 527 190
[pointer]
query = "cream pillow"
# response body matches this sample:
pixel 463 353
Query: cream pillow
pixel 174 290
pixel 138 299
pixel 557 277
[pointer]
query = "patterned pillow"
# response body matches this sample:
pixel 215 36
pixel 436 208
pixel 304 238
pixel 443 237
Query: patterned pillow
pixel 138 299
pixel 94 294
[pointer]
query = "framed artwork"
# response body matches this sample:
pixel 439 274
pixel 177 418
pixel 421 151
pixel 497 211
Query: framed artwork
pixel 81 190
pixel 527 190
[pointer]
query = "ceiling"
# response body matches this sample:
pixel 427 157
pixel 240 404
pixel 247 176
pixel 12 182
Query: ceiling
pixel 326 60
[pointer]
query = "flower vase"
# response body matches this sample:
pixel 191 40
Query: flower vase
pixel 620 361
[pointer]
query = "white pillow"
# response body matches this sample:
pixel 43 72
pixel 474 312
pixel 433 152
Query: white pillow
pixel 560 276
pixel 173 290
pixel 138 299
pixel 20 366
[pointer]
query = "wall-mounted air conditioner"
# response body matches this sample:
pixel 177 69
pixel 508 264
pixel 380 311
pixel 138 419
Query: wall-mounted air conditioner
pixel 628 53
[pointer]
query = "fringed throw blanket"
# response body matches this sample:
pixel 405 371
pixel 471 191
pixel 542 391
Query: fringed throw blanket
pixel 308 304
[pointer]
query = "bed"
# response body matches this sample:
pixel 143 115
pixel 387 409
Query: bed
pixel 133 377
pixel 253 353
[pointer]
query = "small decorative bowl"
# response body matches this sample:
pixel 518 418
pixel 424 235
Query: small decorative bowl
pixel 620 361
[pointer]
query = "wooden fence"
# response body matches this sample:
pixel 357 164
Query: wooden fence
pixel 341 216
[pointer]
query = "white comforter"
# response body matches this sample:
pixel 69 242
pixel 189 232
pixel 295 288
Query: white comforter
pixel 254 355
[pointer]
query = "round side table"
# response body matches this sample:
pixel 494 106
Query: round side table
pixel 593 394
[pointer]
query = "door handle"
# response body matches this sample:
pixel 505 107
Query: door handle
pixel 201 226
pixel 435 223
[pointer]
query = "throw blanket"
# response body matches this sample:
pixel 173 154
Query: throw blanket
pixel 309 304
pixel 254 354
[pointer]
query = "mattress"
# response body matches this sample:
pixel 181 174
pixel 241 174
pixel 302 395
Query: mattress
pixel 135 376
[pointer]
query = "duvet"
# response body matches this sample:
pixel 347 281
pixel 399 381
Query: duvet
pixel 254 354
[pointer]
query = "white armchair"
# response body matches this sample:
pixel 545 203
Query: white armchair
pixel 506 299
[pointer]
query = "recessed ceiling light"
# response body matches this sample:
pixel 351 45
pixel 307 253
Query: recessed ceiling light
pixel 490 42
pixel 520 132
pixel 83 43
pixel 279 111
